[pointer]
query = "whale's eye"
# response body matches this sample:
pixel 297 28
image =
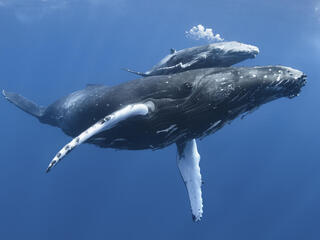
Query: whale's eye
pixel 187 85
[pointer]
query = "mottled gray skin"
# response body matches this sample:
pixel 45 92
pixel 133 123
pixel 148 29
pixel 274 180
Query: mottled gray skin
pixel 223 54
pixel 193 103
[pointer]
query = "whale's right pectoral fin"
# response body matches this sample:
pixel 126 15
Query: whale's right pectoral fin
pixel 135 72
pixel 188 162
pixel 104 124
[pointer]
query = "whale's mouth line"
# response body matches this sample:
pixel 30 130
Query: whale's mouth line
pixel 243 54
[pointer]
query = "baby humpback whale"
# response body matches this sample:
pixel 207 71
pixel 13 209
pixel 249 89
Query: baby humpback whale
pixel 156 111
pixel 223 54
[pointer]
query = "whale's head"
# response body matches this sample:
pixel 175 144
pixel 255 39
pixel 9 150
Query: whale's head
pixel 229 53
pixel 222 94
pixel 271 82
pixel 254 84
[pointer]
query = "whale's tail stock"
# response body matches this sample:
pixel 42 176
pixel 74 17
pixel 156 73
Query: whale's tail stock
pixel 24 104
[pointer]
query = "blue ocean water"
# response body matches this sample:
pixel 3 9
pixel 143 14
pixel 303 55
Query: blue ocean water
pixel 261 173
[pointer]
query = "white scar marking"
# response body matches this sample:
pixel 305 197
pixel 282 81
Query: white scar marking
pixel 278 78
pixel 213 126
pixel 73 98
pixel 100 139
pixel 167 129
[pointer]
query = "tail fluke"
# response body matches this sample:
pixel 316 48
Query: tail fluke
pixel 135 72
pixel 24 104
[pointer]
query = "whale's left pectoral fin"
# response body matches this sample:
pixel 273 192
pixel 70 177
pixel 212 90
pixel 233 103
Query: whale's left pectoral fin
pixel 188 162
pixel 104 124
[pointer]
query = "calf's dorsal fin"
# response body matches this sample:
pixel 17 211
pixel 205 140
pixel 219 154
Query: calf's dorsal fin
pixel 93 85
pixel 172 50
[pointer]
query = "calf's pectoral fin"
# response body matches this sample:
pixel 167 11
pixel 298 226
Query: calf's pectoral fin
pixel 188 162
pixel 135 72
pixel 179 66
pixel 104 124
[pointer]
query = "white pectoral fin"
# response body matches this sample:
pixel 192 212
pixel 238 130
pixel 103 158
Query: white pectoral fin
pixel 104 124
pixel 188 162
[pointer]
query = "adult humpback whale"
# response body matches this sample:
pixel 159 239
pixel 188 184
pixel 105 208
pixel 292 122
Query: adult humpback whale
pixel 223 54
pixel 154 112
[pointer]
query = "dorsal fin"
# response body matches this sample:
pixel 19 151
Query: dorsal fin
pixel 91 85
pixel 172 50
